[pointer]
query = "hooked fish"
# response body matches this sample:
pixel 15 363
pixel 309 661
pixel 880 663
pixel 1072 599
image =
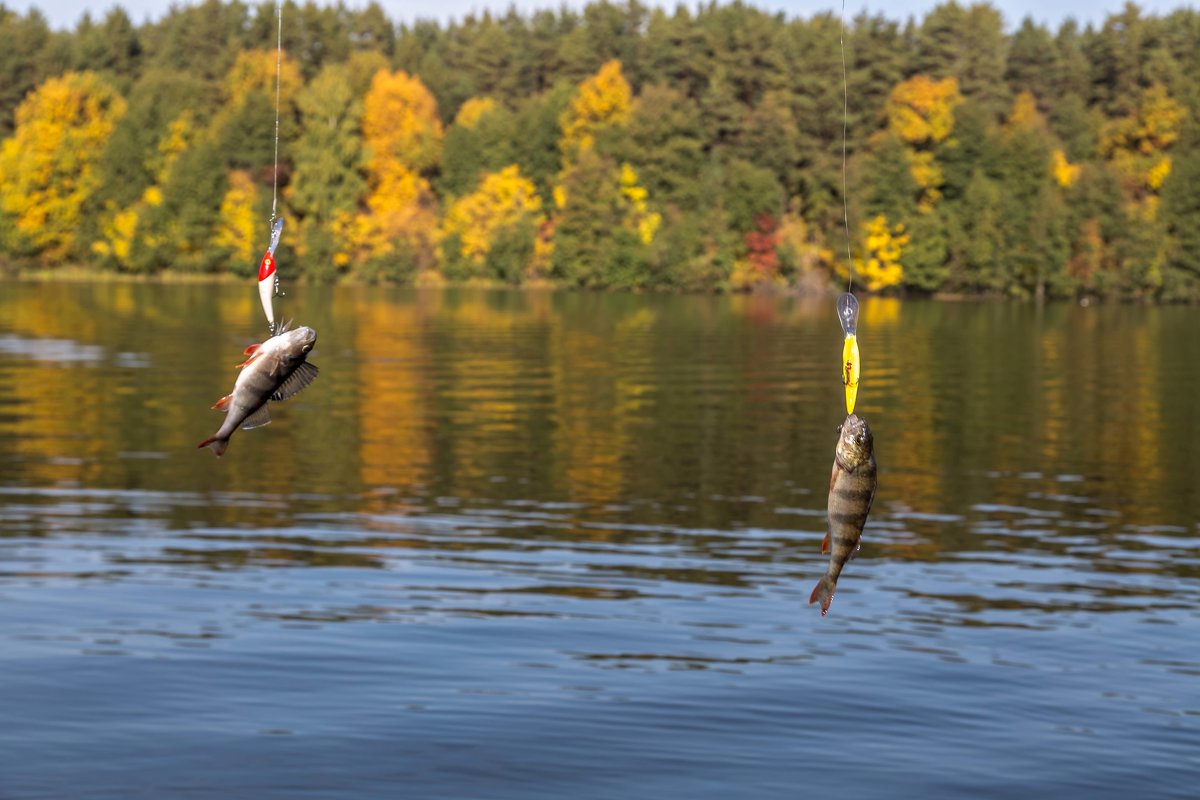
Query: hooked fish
pixel 851 490
pixel 275 370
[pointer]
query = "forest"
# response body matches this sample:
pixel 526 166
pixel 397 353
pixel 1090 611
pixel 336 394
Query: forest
pixel 619 146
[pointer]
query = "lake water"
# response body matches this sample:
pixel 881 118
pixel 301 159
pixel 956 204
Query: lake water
pixel 539 545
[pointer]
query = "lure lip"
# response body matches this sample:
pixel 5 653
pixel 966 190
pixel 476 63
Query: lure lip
pixel 847 311
pixel 276 229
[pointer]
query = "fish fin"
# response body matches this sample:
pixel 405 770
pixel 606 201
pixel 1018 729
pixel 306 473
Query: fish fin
pixel 833 475
pixel 825 543
pixel 823 591
pixel 854 552
pixel 259 418
pixel 305 374
pixel 223 403
pixel 218 445
pixel 249 351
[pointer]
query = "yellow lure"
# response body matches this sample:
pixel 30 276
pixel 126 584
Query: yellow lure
pixel 847 311
pixel 850 370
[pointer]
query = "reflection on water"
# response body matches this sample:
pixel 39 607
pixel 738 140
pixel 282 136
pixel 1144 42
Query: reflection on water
pixel 531 544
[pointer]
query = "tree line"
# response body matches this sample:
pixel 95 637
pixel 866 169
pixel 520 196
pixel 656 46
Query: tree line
pixel 619 146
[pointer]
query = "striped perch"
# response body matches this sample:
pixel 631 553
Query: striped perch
pixel 851 490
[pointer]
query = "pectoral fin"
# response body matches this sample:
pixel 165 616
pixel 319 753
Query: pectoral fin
pixel 305 374
pixel 259 418
pixel 252 352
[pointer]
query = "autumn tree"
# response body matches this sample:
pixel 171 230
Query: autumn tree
pixel 504 210
pixel 396 235
pixel 920 112
pixel 879 264
pixel 49 164
pixel 1137 146
pixel 601 103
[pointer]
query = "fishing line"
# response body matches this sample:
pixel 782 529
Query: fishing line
pixel 845 128
pixel 278 81
pixel 268 276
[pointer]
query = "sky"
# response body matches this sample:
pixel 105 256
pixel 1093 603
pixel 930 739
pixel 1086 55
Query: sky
pixel 65 13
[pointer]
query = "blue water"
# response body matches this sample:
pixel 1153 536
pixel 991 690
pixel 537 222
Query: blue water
pixel 543 546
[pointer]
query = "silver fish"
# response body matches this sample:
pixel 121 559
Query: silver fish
pixel 276 370
pixel 851 492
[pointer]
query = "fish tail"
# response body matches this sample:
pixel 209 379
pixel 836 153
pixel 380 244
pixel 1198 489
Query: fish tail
pixel 218 445
pixel 823 591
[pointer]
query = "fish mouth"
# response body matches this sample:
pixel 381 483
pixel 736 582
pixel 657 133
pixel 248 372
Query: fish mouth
pixel 304 338
pixel 856 431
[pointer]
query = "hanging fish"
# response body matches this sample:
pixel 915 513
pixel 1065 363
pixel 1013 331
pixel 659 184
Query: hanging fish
pixel 847 306
pixel 275 370
pixel 268 279
pixel 851 491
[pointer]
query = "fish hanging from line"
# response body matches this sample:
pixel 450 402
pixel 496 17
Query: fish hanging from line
pixel 275 370
pixel 851 491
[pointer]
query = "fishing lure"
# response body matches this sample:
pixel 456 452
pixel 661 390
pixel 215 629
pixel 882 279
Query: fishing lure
pixel 847 310
pixel 268 279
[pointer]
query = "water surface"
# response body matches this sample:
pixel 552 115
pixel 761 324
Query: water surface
pixel 525 545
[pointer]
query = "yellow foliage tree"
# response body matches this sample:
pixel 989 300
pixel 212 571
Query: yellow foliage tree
pixel 403 137
pixel 400 123
pixel 181 133
pixel 474 110
pixel 238 228
pixel 640 217
pixel 1136 146
pixel 601 100
pixel 503 200
pixel 1065 173
pixel 255 70
pixel 920 112
pixel 47 167
pixel 883 246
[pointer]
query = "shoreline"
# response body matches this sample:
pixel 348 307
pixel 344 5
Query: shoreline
pixel 433 280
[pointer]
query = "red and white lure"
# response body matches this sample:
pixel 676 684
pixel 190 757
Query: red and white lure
pixel 268 278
